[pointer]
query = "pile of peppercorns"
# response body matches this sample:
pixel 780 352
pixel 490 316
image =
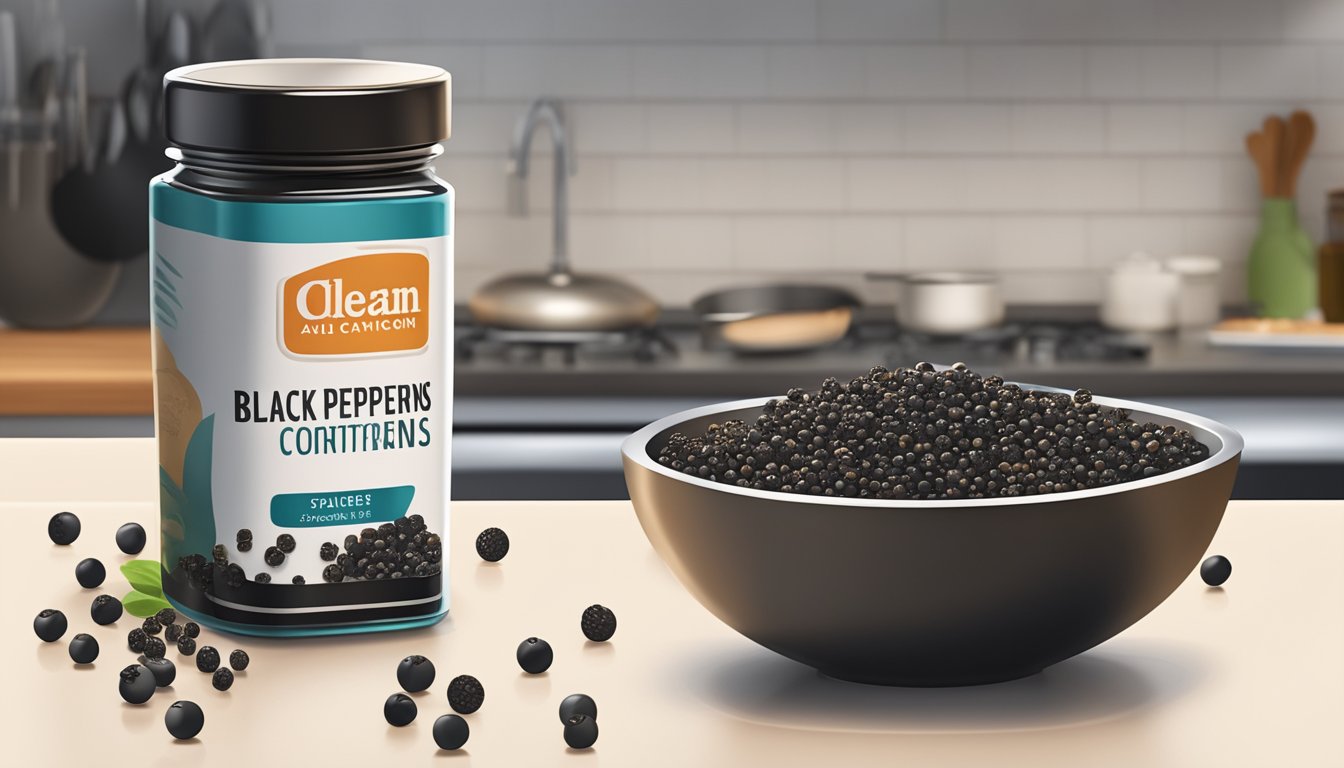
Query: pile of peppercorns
pixel 137 682
pixel 404 548
pixel 919 433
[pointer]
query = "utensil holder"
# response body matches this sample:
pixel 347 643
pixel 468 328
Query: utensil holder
pixel 1282 267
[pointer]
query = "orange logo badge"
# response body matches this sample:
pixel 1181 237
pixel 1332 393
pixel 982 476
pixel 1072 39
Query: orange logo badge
pixel 377 303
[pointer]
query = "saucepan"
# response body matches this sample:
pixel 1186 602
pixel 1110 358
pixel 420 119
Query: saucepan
pixel 946 303
pixel 776 318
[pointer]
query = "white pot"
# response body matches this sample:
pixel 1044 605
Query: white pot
pixel 947 303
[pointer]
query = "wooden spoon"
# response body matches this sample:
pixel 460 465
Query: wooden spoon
pixel 1258 148
pixel 1274 129
pixel 1301 132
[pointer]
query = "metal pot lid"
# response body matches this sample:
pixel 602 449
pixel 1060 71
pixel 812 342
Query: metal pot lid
pixel 561 301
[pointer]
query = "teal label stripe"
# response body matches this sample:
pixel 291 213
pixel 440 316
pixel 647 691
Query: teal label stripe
pixel 367 505
pixel 301 222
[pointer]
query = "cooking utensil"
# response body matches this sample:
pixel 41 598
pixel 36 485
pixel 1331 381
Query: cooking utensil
pixel 1138 295
pixel 930 593
pixel 776 318
pixel 946 303
pixel 73 127
pixel 44 283
pixel 1281 271
pixel 559 300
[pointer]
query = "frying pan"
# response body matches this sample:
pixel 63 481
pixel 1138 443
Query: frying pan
pixel 776 318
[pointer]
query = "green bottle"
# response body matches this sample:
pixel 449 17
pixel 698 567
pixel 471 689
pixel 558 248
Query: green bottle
pixel 1281 275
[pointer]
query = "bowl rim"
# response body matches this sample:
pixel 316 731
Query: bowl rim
pixel 635 448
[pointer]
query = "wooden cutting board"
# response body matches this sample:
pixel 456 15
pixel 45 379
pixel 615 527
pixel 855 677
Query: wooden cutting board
pixel 1275 332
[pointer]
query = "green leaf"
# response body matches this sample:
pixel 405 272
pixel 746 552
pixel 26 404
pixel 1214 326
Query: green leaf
pixel 144 576
pixel 143 606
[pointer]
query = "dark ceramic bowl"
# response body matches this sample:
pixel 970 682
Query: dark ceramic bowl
pixel 930 593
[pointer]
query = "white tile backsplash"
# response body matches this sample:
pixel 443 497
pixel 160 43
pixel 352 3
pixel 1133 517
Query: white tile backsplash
pixel 720 140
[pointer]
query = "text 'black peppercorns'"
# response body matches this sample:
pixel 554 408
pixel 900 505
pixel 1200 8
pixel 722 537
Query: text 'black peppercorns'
pixel 451 732
pixel 63 528
pixel 492 545
pixel 184 719
pixel 465 694
pixel 917 433
pixel 131 538
pixel 415 673
pixel 598 623
pixel 90 572
pixel 83 649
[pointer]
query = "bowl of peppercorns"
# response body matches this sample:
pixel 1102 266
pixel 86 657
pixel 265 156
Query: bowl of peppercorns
pixel 929 527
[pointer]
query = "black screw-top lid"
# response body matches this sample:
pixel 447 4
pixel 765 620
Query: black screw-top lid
pixel 303 106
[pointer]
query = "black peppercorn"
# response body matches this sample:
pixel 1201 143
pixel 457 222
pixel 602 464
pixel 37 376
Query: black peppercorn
pixel 83 649
pixel 63 528
pixel 166 616
pixel 535 655
pixel 333 573
pixel 415 673
pixel 90 573
pixel 451 732
pixel 155 648
pixel 151 626
pixel 577 704
pixel 285 542
pixel 137 684
pixel 399 709
pixel 164 671
pixel 298 580
pixel 191 629
pixel 207 659
pixel 580 731
pixel 1215 570
pixel 172 633
pixel 184 719
pixel 239 660
pixel 105 609
pixel 465 694
pixel 135 640
pixel 222 679
pixel 131 538
pixel 492 545
pixel 186 645
pixel 262 578
pixel 328 551
pixel 274 556
pixel 598 623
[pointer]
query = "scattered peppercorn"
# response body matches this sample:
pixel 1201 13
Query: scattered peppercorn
pixel 244 534
pixel 137 684
pixel 924 434
pixel 164 671
pixel 1215 570
pixel 239 660
pixel 83 649
pixel 105 609
pixel 451 732
pixel 184 719
pixel 90 572
pixel 333 573
pixel 63 528
pixel 166 616
pixel 465 694
pixel 131 538
pixel 220 554
pixel 580 731
pixel 535 655
pixel 243 546
pixel 155 648
pixel 578 704
pixel 492 545
pixel 151 625
pixel 192 629
pixel 298 580
pixel 207 659
pixel 285 542
pixel 186 645
pixel 399 709
pixel 135 640
pixel 328 551
pixel 262 578
pixel 222 680
pixel 172 633
pixel 598 623
pixel 274 556
pixel 415 673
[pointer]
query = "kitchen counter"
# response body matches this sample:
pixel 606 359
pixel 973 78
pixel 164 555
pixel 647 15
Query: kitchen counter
pixel 1246 675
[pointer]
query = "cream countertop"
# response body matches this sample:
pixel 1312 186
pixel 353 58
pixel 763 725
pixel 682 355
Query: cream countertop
pixel 1249 675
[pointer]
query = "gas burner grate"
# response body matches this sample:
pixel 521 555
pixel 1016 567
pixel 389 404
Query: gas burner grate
pixel 639 344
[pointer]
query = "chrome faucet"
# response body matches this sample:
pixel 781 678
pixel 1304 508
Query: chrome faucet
pixel 551 112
